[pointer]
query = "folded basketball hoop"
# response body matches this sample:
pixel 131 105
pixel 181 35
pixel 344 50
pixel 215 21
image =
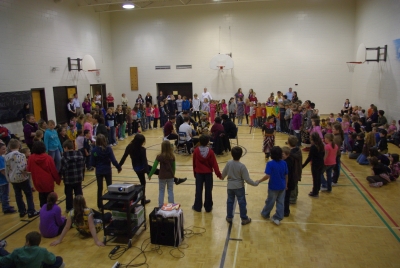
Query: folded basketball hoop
pixel 97 71
pixel 352 64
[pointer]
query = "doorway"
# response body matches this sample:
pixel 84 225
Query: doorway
pixel 39 103
pixel 183 89
pixel 101 88
pixel 61 99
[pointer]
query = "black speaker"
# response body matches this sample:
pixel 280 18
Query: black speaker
pixel 166 231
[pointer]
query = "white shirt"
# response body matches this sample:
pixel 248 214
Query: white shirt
pixel 206 95
pixel 70 107
pixel 98 99
pixel 185 127
pixel 196 105
pixel 124 101
pixel 76 102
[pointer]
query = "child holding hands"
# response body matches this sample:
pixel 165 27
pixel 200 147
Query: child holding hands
pixel 237 174
pixel 166 174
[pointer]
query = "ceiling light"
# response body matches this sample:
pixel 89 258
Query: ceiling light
pixel 128 5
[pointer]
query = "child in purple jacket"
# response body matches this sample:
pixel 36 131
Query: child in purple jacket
pixel 296 124
pixel 51 221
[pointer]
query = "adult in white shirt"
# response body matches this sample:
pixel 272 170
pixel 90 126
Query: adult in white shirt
pixel 77 104
pixel 289 94
pixel 124 100
pixel 205 95
pixel 186 128
pixel 97 98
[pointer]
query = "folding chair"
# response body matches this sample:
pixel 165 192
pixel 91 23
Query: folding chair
pixel 235 138
pixel 182 143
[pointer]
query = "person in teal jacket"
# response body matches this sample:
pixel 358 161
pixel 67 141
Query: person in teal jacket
pixel 53 144
pixel 30 255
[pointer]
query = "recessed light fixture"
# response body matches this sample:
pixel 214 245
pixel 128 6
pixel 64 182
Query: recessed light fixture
pixel 128 5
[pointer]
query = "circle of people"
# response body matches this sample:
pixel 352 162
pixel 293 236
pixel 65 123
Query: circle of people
pixel 66 151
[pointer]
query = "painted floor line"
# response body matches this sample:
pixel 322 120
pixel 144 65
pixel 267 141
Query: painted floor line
pixel 238 236
pixel 373 198
pixel 372 207
pixel 326 224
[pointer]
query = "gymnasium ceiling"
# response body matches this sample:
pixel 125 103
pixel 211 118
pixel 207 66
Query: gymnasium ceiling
pixel 116 5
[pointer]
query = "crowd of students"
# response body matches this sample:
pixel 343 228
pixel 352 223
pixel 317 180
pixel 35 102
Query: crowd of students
pixel 66 151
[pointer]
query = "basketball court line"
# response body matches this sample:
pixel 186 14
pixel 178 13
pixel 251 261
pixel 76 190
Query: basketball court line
pixel 238 236
pixel 373 198
pixel 370 204
pixel 327 224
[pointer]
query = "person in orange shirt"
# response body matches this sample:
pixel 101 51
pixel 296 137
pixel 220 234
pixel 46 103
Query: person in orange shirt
pixel 259 115
pixel 263 113
pixel 371 110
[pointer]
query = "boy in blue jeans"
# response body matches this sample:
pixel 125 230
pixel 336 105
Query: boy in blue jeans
pixel 4 187
pixel 237 174
pixel 277 173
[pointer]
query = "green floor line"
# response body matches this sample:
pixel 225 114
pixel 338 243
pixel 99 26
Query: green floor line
pixel 373 208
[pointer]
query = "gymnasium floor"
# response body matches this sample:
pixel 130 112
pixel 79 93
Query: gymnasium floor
pixel 354 226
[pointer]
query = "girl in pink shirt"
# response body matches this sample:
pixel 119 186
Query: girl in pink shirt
pixel 213 109
pixel 316 128
pixel 156 113
pixel 224 107
pixel 329 161
pixel 345 127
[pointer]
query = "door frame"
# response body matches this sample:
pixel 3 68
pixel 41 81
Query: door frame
pixel 103 96
pixel 42 91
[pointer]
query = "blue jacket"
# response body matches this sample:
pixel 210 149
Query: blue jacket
pixel 51 140
pixel 101 159
pixel 185 105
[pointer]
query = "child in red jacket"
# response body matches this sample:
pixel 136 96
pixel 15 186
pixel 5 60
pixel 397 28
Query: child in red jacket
pixel 44 172
pixel 204 162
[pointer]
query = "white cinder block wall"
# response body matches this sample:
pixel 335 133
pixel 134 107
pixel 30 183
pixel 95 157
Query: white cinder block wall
pixel 274 44
pixel 377 24
pixel 35 35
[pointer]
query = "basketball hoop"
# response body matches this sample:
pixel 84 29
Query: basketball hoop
pixel 97 71
pixel 352 64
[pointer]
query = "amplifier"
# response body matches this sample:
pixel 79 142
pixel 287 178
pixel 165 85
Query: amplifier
pixel 166 231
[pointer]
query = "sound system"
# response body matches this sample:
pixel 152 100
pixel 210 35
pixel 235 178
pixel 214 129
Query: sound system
pixel 166 231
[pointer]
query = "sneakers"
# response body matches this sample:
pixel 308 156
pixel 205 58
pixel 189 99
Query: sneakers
pixel 147 201
pixel 334 183
pixel 33 214
pixel 313 195
pixel 179 181
pixel 324 189
pixel 9 211
pixel 114 144
pixel 276 221
pixel 286 214
pixel 244 222
pixel 376 184
pixel 196 209
pixel 111 145
pixel 229 220
pixel 22 214
pixel 90 169
pixel 343 152
pixel 121 139
pixel 62 265
pixel 3 243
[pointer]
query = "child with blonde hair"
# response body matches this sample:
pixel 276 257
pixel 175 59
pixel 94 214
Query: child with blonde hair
pixel 38 135
pixel 166 174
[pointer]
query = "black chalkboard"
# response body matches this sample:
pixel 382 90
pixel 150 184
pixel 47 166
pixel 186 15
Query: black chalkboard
pixel 11 103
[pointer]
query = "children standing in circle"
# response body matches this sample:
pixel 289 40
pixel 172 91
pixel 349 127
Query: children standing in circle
pixel 232 109
pixel 101 158
pixel 277 173
pixel 52 143
pixel 166 159
pixel 268 130
pixel 316 156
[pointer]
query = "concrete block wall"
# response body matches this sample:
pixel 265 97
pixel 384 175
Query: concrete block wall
pixel 275 45
pixel 37 35
pixel 377 24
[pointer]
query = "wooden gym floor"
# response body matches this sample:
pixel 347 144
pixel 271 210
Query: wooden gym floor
pixel 354 226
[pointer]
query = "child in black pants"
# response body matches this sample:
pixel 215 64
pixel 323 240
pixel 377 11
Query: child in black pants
pixel 292 182
pixel 87 147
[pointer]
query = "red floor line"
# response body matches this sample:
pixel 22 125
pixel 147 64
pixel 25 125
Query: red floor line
pixel 372 197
